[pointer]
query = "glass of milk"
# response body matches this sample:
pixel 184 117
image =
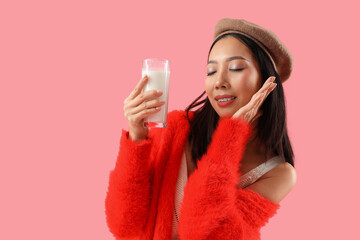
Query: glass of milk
pixel 158 72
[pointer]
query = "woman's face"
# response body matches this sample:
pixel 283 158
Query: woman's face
pixel 233 76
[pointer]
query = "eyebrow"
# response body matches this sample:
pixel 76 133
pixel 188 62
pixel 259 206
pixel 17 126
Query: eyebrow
pixel 229 59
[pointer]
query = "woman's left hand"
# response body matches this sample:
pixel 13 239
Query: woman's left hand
pixel 250 112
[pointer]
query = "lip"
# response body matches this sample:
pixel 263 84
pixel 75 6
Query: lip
pixel 223 96
pixel 224 104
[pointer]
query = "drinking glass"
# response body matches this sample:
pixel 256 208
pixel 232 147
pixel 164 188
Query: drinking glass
pixel 158 72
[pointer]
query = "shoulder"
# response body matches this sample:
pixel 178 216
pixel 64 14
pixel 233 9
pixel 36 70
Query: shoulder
pixel 277 183
pixel 284 176
pixel 284 171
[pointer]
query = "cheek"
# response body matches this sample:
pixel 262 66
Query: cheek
pixel 253 83
pixel 245 90
pixel 243 94
pixel 251 87
pixel 208 87
pixel 242 86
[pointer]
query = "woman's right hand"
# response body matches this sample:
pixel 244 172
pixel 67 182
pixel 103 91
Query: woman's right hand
pixel 250 112
pixel 137 106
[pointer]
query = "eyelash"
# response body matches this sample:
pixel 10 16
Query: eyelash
pixel 235 70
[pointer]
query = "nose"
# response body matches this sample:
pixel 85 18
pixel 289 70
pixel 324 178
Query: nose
pixel 222 81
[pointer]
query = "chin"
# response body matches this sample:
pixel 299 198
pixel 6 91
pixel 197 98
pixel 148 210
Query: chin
pixel 224 113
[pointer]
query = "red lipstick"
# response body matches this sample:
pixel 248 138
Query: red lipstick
pixel 224 100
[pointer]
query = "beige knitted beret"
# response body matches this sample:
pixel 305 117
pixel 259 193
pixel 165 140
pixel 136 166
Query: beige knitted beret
pixel 267 40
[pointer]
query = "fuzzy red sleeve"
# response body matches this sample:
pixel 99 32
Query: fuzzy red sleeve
pixel 213 207
pixel 127 201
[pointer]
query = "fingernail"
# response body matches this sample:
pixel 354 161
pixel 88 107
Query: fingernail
pixel 272 86
pixel 159 92
pixel 162 102
pixel 274 79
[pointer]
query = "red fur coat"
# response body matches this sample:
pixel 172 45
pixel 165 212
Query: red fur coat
pixel 140 198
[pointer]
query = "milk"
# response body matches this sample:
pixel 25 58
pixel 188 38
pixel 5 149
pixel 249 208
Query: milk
pixel 158 80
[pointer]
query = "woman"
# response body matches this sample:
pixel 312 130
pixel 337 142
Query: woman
pixel 221 171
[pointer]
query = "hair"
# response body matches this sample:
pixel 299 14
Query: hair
pixel 271 127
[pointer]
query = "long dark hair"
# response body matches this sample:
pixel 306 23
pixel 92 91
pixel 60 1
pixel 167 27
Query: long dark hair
pixel 271 127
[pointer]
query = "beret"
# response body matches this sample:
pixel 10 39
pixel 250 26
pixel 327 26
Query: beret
pixel 278 53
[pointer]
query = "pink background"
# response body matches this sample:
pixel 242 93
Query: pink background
pixel 67 66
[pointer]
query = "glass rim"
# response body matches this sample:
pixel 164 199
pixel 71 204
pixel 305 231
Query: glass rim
pixel 156 59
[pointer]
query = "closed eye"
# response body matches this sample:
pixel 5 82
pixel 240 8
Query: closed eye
pixel 237 70
pixel 234 70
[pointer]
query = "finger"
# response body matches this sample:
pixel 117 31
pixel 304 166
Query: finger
pixel 147 105
pixel 263 89
pixel 268 83
pixel 257 98
pixel 254 103
pixel 145 96
pixel 270 89
pixel 266 93
pixel 140 116
pixel 270 80
pixel 139 87
pixel 257 104
pixel 273 86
